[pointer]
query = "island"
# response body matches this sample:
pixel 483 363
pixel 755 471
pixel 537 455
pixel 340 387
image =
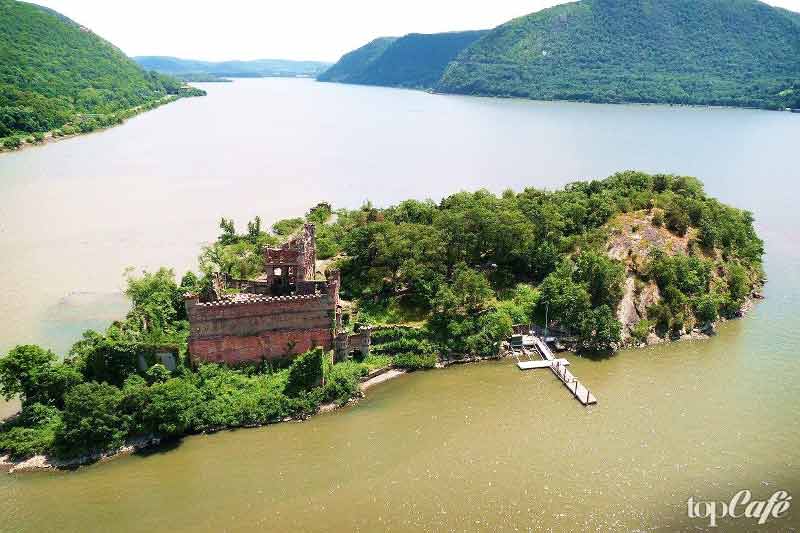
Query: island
pixel 282 323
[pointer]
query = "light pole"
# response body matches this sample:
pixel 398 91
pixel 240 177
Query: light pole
pixel 546 322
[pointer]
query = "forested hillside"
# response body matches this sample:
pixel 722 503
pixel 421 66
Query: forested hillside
pixel 415 61
pixel 54 72
pixel 709 52
pixel 354 64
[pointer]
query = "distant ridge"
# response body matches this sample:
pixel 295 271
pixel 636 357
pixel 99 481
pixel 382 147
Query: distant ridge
pixel 240 69
pixel 741 53
pixel 415 61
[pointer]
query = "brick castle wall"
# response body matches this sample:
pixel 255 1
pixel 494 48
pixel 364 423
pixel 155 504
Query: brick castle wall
pixel 264 328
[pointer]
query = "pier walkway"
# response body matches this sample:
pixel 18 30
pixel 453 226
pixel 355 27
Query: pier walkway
pixel 556 365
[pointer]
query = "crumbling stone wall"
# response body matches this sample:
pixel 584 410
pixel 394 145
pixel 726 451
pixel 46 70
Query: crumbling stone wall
pixel 347 343
pixel 293 265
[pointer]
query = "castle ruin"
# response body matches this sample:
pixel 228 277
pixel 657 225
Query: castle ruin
pixel 285 312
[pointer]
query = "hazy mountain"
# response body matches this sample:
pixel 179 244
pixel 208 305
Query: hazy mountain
pixel 239 69
pixel 416 60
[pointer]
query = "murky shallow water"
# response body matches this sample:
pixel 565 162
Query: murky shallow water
pixel 474 447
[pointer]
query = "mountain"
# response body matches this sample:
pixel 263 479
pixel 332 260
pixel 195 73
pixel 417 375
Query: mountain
pixel 708 52
pixel 416 60
pixel 54 71
pixel 354 64
pixel 239 69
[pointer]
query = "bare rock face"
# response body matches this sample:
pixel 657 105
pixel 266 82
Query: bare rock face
pixel 653 339
pixel 627 312
pixel 648 296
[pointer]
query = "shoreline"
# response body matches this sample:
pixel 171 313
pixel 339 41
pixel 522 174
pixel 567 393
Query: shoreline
pixel 49 138
pixel 434 92
pixel 44 463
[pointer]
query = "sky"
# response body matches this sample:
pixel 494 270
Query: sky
pixel 283 29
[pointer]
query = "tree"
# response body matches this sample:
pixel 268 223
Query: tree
pixel 156 296
pixel 604 278
pixel 228 235
pixel 110 358
pixel 490 330
pixel 254 230
pixel 36 376
pixel 600 330
pixel 319 214
pixel 738 283
pixel 677 219
pixel 567 301
pixel 469 290
pixel 706 308
pixel 92 420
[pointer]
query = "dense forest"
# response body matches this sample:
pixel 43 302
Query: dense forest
pixel 701 52
pixel 192 69
pixel 414 61
pixel 715 52
pixel 55 73
pixel 438 280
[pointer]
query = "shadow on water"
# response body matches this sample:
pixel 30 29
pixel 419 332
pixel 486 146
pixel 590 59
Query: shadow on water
pixel 162 448
pixel 594 355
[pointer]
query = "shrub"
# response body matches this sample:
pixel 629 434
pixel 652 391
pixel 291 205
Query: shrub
pixel 171 407
pixel 12 143
pixel 22 442
pixel 305 373
pixel 658 218
pixel 306 403
pixel 677 220
pixel 413 361
pixel 342 382
pixel 641 330
pixel 158 373
pixel 33 432
pixel 661 316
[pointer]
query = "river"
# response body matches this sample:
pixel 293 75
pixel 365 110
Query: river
pixel 475 447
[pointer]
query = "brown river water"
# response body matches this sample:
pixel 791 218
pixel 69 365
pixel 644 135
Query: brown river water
pixel 477 447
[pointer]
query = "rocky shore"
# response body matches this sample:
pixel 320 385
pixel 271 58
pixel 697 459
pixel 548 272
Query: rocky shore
pixel 39 463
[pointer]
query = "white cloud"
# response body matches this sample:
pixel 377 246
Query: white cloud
pixel 252 29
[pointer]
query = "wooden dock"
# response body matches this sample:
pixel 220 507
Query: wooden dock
pixel 558 367
pixel 530 365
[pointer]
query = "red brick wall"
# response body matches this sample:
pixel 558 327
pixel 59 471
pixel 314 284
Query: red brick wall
pixel 235 332
pixel 272 345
